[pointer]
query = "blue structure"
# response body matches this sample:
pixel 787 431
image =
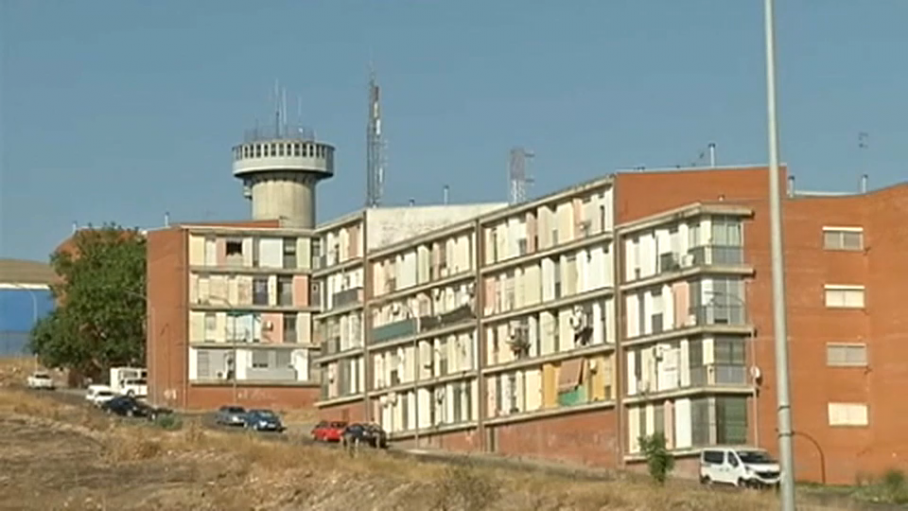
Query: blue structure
pixel 25 297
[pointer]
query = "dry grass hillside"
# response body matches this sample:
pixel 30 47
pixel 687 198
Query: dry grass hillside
pixel 60 456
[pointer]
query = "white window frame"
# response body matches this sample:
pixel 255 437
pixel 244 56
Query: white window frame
pixel 848 414
pixel 843 302
pixel 841 231
pixel 845 347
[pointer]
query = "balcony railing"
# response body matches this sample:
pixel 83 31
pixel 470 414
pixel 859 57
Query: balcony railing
pixel 719 314
pixel 708 255
pixel 391 331
pixel 332 345
pixel 347 297
pixel 718 375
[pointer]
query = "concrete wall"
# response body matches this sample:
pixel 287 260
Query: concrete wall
pixel 393 225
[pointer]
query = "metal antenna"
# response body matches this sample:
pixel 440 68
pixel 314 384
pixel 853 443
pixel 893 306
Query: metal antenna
pixel 277 107
pixel 517 175
pixel 863 145
pixel 375 164
pixel 284 110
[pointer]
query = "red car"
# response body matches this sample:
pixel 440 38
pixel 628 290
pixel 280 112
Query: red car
pixel 328 431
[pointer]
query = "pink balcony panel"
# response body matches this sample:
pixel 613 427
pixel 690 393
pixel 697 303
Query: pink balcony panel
pixel 531 233
pixel 300 290
pixel 681 295
pixel 272 328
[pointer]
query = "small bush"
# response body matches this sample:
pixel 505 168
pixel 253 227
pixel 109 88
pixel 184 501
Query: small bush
pixel 168 421
pixel 462 487
pixel 659 461
pixel 895 486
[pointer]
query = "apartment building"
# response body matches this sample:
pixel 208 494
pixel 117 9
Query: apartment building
pixel 699 362
pixel 230 316
pixel 344 278
pixel 639 303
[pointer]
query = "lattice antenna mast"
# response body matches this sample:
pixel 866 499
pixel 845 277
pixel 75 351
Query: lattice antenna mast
pixel 375 164
pixel 518 179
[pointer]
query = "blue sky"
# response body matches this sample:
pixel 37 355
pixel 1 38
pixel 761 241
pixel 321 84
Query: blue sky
pixel 122 110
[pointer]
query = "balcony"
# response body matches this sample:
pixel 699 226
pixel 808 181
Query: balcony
pixel 717 255
pixel 395 330
pixel 283 374
pixel 719 314
pixel 722 375
pixel 347 297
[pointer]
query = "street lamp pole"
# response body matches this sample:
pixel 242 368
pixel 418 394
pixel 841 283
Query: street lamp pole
pixel 780 328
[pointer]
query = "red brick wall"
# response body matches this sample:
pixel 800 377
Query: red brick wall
pixel 210 397
pixel 587 438
pixel 350 412
pixel 166 346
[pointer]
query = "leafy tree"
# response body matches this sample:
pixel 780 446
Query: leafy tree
pixel 659 461
pixel 100 317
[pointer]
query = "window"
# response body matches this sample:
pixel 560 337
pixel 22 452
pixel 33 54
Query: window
pixel 843 238
pixel 283 359
pixel 848 414
pixel 726 231
pixel 285 290
pixel 659 419
pixel 289 253
pixel 845 297
pixel 234 248
pixel 290 328
pixel 730 351
pixel 731 420
pixel 699 418
pixel 846 355
pixel 260 291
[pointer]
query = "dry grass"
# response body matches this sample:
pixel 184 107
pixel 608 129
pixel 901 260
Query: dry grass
pixel 195 468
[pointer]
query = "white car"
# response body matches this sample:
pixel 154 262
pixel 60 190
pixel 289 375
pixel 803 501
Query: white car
pixel 746 467
pixel 134 387
pixel 41 380
pixel 99 394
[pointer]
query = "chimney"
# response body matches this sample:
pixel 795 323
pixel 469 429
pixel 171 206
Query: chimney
pixel 864 179
pixel 166 219
pixel 791 186
pixel 712 154
pixel 412 202
pixel 444 194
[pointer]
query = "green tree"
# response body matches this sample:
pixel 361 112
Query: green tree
pixel 100 317
pixel 659 461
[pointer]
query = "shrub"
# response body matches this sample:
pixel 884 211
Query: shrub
pixel 168 421
pixel 465 488
pixel 659 461
pixel 895 486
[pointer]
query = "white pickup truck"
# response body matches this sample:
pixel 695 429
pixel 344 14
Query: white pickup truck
pixel 41 380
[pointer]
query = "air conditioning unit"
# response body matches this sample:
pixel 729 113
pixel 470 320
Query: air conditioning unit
pixel 439 395
pixel 643 386
pixel 436 293
pixel 586 227
pixel 579 319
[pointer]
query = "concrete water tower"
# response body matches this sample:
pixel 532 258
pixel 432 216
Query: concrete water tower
pixel 280 167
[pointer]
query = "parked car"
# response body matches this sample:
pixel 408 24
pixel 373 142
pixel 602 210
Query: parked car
pixel 365 433
pixel 93 391
pixel 231 415
pixel 263 420
pixel 739 466
pixel 128 406
pixel 101 396
pixel 329 431
pixel 136 387
pixel 41 381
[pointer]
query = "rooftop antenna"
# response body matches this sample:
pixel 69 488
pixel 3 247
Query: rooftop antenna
pixel 375 164
pixel 277 108
pixel 517 175
pixel 863 145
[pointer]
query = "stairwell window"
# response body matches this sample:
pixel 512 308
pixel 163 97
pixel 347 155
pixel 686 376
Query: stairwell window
pixel 848 414
pixel 844 297
pixel 843 238
pixel 846 355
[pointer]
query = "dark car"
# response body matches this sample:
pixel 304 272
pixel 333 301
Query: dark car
pixel 263 420
pixel 231 415
pixel 128 406
pixel 365 433
pixel 328 431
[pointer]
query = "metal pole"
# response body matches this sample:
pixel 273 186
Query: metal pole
pixel 780 328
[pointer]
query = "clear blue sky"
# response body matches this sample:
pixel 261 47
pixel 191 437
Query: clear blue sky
pixel 122 110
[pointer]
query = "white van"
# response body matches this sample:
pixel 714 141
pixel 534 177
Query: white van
pixel 746 467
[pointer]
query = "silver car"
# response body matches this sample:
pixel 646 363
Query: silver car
pixel 231 416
